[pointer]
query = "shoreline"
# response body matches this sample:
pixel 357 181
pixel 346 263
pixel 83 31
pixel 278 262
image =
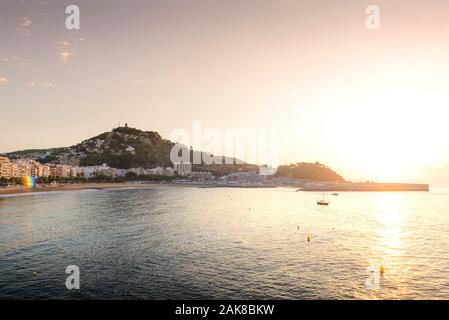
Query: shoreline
pixel 357 187
pixel 17 190
pixel 87 186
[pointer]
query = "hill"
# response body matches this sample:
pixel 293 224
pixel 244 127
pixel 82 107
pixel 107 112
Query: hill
pixel 123 148
pixel 309 171
pixel 126 147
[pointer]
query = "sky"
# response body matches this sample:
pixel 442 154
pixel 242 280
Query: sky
pixel 372 104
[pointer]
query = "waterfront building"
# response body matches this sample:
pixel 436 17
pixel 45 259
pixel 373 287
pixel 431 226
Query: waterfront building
pixel 38 169
pixel 244 178
pixel 75 171
pixel 120 172
pixel 183 168
pixel 94 171
pixel 44 170
pixel 6 168
pixel 201 176
pixel 137 171
pixel 88 172
pixel 21 169
pixel 56 170
pixel 62 171
pixel 169 171
pixel 29 167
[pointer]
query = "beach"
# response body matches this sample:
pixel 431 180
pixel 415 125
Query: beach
pixel 118 185
pixel 84 186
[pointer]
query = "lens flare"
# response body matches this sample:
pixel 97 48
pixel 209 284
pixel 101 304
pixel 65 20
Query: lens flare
pixel 30 182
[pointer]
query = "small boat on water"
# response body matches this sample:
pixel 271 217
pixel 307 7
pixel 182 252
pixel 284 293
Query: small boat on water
pixel 323 202
pixel 335 194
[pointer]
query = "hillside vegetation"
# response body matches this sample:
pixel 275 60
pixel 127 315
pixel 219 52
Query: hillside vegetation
pixel 309 171
pixel 126 147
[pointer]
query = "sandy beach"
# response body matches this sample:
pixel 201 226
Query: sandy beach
pixel 83 186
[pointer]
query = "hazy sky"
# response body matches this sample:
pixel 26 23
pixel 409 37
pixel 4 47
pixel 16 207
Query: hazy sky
pixel 371 104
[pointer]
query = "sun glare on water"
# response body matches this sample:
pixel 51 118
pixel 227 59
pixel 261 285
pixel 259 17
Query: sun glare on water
pixel 388 248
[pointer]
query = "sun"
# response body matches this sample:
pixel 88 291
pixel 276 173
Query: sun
pixel 391 129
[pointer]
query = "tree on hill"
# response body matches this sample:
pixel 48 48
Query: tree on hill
pixel 309 171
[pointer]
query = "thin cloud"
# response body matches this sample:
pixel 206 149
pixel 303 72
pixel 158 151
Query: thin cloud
pixel 25 25
pixel 63 44
pixel 65 56
pixel 65 50
pixel 44 84
pixel 3 81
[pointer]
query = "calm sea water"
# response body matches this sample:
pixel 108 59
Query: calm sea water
pixel 192 243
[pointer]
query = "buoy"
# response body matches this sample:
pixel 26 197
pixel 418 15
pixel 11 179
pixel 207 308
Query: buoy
pixel 298 227
pixel 308 238
pixel 34 273
pixel 381 269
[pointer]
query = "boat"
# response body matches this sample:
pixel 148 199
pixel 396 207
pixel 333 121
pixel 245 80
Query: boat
pixel 335 194
pixel 323 202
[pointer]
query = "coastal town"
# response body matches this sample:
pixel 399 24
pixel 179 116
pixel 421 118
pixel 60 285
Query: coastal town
pixel 21 168
pixel 127 154
pixel 15 172
pixel 12 170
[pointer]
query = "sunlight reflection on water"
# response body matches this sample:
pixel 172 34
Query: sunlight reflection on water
pixel 194 243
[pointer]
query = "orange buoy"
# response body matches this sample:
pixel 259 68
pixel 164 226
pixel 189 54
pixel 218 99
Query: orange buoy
pixel 308 238
pixel 381 269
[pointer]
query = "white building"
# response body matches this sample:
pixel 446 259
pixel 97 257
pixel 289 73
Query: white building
pixel 137 171
pixel 244 178
pixel 169 171
pixel 159 171
pixel 183 168
pixel 120 172
pixel 130 149
pixel 201 176
pixel 6 168
pixel 89 171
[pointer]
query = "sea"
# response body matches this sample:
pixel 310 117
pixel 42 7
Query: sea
pixel 224 243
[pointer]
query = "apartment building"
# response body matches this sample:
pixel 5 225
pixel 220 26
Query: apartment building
pixel 183 168
pixel 6 168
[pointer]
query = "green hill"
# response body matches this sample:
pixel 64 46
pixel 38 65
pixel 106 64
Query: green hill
pixel 123 148
pixel 309 171
pixel 126 147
